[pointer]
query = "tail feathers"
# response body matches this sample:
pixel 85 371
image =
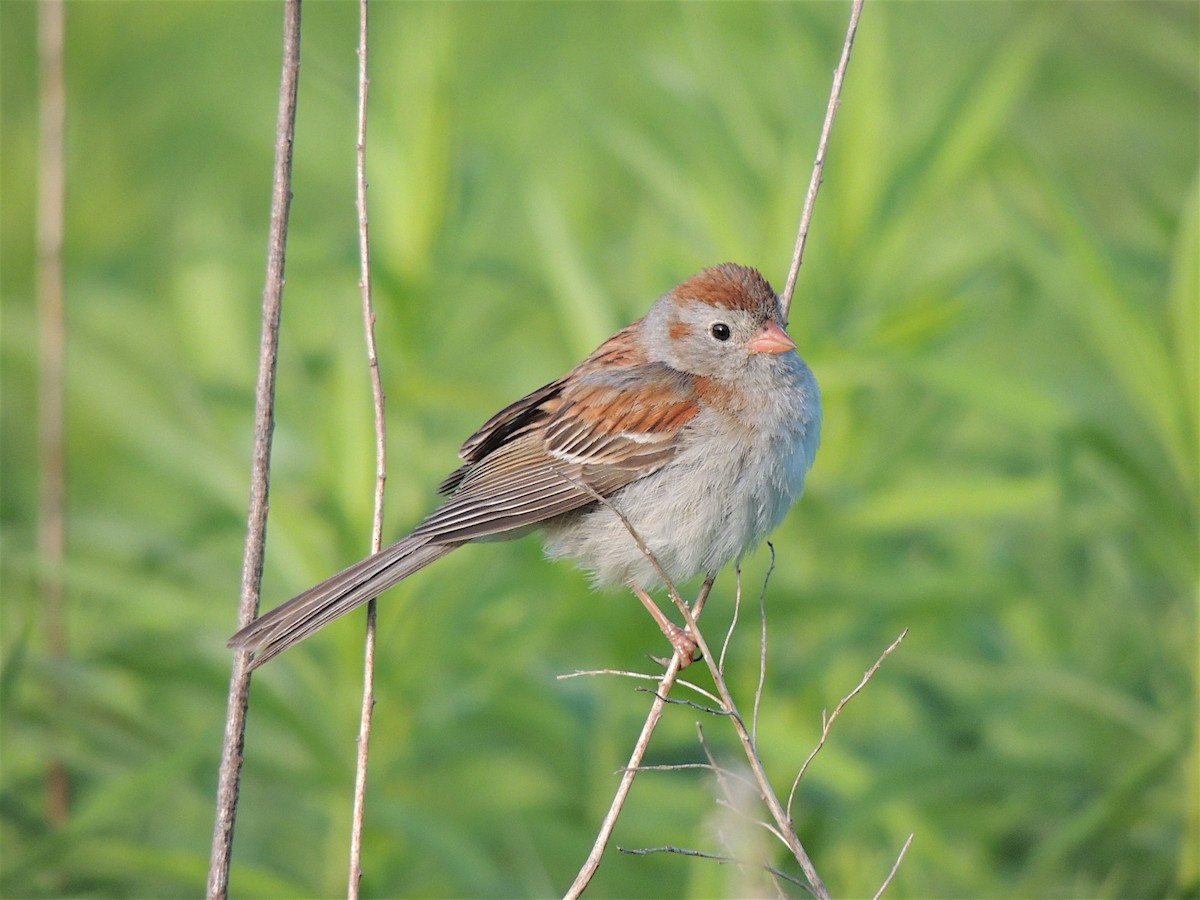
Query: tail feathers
pixel 293 621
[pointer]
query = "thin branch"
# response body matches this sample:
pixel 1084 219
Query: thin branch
pixel 720 771
pixel 814 185
pixel 786 833
pixel 264 425
pixel 762 645
pixel 827 721
pixel 708 710
pixel 895 868
pixel 715 857
pixel 52 351
pixel 368 310
pixel 679 851
pixel 640 675
pixel 587 673
pixel 592 863
pixel 737 611
pixel 708 695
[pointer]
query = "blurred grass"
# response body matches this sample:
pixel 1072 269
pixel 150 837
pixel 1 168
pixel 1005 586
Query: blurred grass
pixel 1000 300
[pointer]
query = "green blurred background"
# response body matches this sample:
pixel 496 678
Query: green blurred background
pixel 999 299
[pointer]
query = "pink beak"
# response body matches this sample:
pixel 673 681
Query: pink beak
pixel 772 339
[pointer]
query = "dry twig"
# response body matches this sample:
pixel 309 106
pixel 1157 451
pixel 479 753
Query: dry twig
pixel 716 857
pixel 782 829
pixel 814 184
pixel 260 472
pixel 762 645
pixel 592 863
pixel 895 868
pixel 368 310
pixel 827 721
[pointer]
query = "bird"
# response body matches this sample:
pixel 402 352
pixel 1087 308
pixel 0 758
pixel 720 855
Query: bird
pixel 693 429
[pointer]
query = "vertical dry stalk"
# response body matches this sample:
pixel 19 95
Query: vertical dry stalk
pixel 814 184
pixel 364 284
pixel 264 424
pixel 52 342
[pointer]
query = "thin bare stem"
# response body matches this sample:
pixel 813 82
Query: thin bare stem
pixel 629 772
pixel 264 425
pixel 814 185
pixel 368 311
pixel 592 863
pixel 708 695
pixel 827 721
pixel 785 832
pixel 762 645
pixel 895 868
pixel 739 811
pixel 52 346
pixel 590 673
pixel 722 774
pixel 737 611
pixel 715 857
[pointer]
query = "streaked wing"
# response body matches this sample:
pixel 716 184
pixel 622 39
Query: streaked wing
pixel 600 430
pixel 504 426
pixel 627 420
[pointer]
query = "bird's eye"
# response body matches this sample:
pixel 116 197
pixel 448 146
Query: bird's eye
pixel 721 331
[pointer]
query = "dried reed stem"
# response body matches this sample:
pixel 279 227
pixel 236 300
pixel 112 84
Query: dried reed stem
pixel 814 184
pixel 368 309
pixel 260 472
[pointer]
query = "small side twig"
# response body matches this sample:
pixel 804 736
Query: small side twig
pixel 368 310
pixel 762 645
pixel 827 721
pixel 895 868
pixel 260 472
pixel 708 710
pixel 715 857
pixel 724 776
pixel 733 620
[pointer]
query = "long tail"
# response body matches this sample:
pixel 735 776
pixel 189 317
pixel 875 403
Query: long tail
pixel 293 621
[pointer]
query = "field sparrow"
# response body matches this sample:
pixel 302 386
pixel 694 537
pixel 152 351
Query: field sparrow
pixel 698 422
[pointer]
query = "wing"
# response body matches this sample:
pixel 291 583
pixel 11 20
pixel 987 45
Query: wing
pixel 602 429
pixel 504 426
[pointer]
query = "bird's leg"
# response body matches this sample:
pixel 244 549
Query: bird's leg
pixel 684 643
